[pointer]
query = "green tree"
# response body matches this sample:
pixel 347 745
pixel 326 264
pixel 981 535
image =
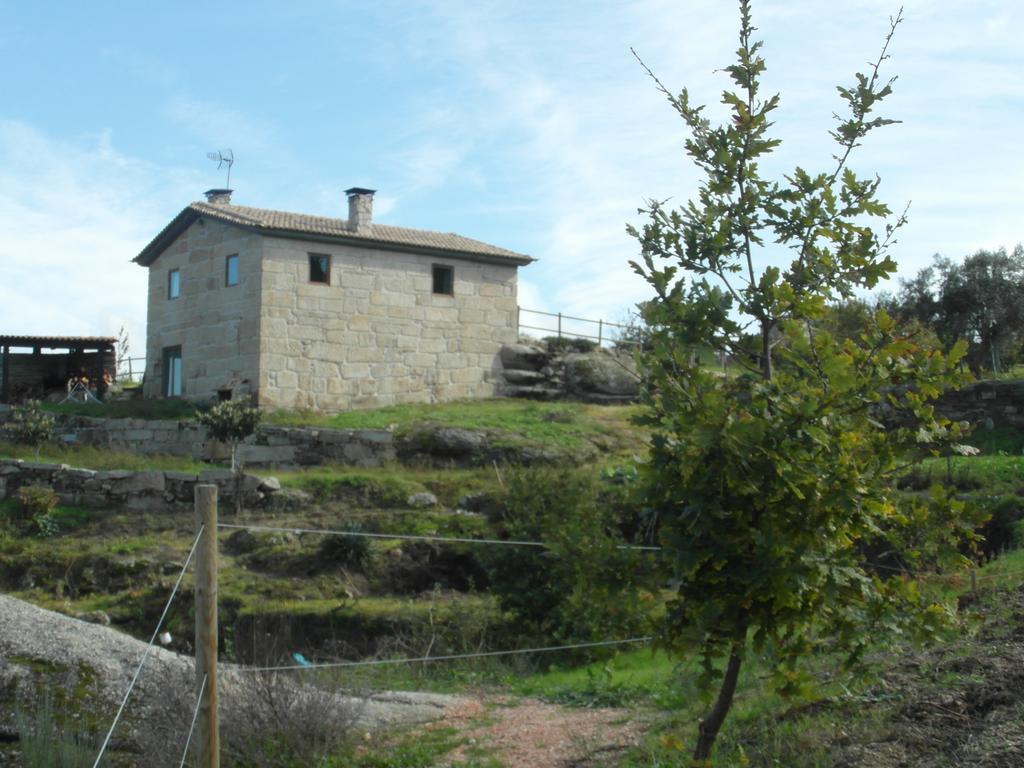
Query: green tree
pixel 981 300
pixel 586 584
pixel 770 485
pixel 30 425
pixel 231 422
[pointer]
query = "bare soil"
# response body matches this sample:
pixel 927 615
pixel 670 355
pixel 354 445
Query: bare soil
pixel 525 733
pixel 959 704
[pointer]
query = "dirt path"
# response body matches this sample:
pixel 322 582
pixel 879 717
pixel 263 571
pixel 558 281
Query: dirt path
pixel 525 733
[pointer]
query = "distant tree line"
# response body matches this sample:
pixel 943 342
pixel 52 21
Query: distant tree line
pixel 980 300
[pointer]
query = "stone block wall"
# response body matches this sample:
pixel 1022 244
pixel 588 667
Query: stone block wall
pixel 216 325
pixel 1001 402
pixel 151 491
pixel 270 446
pixel 376 334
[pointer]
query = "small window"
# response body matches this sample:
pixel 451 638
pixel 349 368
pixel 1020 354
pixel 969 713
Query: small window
pixel 444 279
pixel 319 268
pixel 173 284
pixel 231 270
pixel 172 371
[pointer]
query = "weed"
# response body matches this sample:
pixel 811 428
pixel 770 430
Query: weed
pixel 48 740
pixel 353 552
pixel 36 500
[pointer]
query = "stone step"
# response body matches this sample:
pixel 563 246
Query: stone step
pixel 525 378
pixel 534 393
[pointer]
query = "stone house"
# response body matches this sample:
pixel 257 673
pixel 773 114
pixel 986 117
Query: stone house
pixel 304 311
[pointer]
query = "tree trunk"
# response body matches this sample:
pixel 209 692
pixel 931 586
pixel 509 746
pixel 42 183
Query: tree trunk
pixel 711 724
pixel 766 350
pixel 237 470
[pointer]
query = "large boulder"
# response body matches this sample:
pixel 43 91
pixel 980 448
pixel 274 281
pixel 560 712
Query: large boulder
pixel 601 373
pixel 524 357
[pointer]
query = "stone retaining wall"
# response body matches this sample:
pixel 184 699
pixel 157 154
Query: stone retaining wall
pixel 1002 402
pixel 270 446
pixel 150 491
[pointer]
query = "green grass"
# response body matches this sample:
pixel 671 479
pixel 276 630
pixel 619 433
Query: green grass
pixel 100 458
pixel 390 485
pixel 148 408
pixel 555 425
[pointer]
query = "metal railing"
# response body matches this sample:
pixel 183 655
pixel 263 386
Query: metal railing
pixel 607 332
pixel 131 369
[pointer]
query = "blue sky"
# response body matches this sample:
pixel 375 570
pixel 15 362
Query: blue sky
pixel 524 124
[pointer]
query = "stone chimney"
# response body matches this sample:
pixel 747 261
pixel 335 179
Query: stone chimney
pixel 360 208
pixel 218 196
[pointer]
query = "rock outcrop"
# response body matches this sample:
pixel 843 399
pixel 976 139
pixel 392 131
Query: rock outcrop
pixel 557 369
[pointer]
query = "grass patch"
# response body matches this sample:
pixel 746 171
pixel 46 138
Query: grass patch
pixel 148 408
pixel 566 425
pixel 419 749
pixel 391 484
pixel 100 458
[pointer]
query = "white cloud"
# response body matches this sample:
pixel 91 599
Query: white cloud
pixel 594 138
pixel 220 126
pixel 72 216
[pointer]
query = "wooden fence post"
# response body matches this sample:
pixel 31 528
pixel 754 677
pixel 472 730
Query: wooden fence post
pixel 208 735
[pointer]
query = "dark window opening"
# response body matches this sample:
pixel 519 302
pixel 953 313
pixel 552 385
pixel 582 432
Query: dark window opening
pixel 444 279
pixel 173 284
pixel 223 395
pixel 231 270
pixel 319 268
pixel 172 372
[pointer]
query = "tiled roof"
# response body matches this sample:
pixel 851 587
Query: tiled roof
pixel 56 342
pixel 283 223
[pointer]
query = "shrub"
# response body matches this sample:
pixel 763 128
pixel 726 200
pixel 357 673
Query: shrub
pixel 564 344
pixel 353 552
pixel 273 721
pixel 36 501
pixel 582 586
pixel 231 422
pixel 46 526
pixel 30 425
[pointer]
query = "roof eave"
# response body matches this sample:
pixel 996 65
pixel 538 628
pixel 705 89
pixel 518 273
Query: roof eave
pixel 183 220
pixel 385 245
pixel 166 236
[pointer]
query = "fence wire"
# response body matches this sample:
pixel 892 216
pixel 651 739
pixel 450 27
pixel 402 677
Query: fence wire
pixel 449 657
pixel 149 647
pixel 192 727
pixel 413 537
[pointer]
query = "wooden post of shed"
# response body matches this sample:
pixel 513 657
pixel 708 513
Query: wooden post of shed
pixel 207 723
pixel 101 369
pixel 5 388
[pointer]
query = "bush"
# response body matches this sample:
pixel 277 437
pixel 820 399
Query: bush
pixel 30 425
pixel 354 552
pixel 231 422
pixel 36 501
pixel 275 721
pixel 581 587
pixel 564 344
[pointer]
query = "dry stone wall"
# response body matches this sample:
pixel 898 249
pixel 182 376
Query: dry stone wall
pixel 150 491
pixel 270 446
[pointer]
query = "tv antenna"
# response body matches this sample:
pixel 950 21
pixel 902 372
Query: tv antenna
pixel 223 157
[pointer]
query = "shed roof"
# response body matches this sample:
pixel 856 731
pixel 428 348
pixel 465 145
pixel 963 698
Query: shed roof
pixel 323 228
pixel 57 342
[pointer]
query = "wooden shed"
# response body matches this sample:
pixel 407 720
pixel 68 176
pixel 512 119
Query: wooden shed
pixel 35 366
